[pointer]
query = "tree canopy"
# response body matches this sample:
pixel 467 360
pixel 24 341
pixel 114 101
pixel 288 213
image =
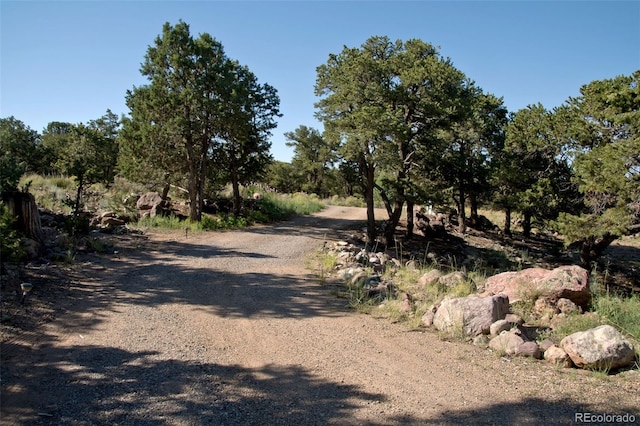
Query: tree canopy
pixel 199 106
pixel 388 104
pixel 607 164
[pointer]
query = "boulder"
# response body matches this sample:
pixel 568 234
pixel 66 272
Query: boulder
pixel 545 344
pixel 499 326
pixel 111 221
pixel 452 279
pixel 32 248
pixel 506 343
pixel 570 282
pixel 601 348
pixel 529 349
pixel 557 356
pixel 514 319
pixel 566 306
pixel 472 315
pixel 407 303
pixel 148 201
pixel 430 277
pixel 427 318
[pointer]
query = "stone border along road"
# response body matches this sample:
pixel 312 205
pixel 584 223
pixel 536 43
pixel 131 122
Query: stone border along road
pixel 230 328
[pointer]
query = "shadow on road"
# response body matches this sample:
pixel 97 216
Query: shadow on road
pixel 128 388
pixel 120 387
pixel 532 411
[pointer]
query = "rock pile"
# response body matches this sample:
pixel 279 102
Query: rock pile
pixel 486 318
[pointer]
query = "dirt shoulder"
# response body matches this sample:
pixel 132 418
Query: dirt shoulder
pixel 232 328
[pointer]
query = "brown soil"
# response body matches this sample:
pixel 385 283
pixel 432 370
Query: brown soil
pixel 232 328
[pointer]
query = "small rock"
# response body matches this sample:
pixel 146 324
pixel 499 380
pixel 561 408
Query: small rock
pixel 544 307
pixel 566 306
pixel 471 315
pixel 545 344
pixel 407 303
pixel 557 356
pixel 498 327
pixel 427 318
pixel 507 342
pixel 514 319
pixel 530 349
pixel 452 279
pixel 430 277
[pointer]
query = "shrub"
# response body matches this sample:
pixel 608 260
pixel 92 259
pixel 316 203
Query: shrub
pixel 10 239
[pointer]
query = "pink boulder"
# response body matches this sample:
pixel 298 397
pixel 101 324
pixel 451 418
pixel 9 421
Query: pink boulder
pixel 568 282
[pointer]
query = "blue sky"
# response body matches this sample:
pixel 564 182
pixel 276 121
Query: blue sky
pixel 73 60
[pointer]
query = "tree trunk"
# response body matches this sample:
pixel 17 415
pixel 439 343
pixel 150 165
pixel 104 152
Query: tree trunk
pixel 369 183
pixel 507 221
pixel 526 225
pixel 392 223
pixel 76 207
pixel 593 247
pixel 237 198
pixel 23 206
pixel 410 224
pixel 473 216
pixel 462 226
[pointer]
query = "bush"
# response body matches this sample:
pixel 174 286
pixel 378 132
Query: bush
pixel 621 313
pixel 10 239
pixel 281 206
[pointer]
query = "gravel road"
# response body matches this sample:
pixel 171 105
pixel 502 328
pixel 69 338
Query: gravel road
pixel 232 328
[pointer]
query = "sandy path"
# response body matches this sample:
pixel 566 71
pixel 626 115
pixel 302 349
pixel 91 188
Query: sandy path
pixel 232 329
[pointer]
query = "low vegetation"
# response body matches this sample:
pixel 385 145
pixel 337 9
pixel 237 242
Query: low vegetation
pixel 617 308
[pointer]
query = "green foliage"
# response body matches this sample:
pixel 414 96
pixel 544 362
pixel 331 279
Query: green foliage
pixel 19 152
pixel 165 222
pixel 621 312
pixel 387 104
pixel 176 118
pixel 283 177
pixel 281 206
pixel 350 201
pixel 312 159
pixel 202 118
pixel 606 135
pixel 243 154
pixel 10 239
pixel 212 223
pixel 51 193
pixel 534 174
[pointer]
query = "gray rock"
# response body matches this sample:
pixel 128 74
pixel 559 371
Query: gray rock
pixel 452 279
pixel 566 306
pixel 545 344
pixel 148 201
pixel 557 356
pixel 506 343
pixel 499 326
pixel 471 315
pixel 427 318
pixel 602 348
pixel 530 349
pixel 430 277
pixel 514 319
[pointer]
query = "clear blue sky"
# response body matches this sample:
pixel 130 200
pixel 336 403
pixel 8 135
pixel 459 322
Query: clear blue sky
pixel 73 60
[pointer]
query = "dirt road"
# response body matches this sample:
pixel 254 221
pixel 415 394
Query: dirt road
pixel 232 328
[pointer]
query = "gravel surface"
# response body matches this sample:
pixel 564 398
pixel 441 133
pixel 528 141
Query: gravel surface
pixel 232 328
